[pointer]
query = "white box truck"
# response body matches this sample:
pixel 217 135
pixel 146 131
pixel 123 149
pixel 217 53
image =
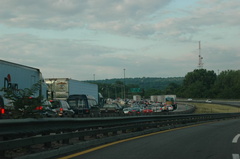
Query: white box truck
pixel 16 76
pixel 61 88
pixel 161 98
pixel 137 98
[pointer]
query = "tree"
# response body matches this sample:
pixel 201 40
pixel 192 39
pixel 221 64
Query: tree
pixel 227 85
pixel 172 88
pixel 198 83
pixel 23 100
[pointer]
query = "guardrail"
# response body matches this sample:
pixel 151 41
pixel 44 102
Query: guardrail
pixel 24 135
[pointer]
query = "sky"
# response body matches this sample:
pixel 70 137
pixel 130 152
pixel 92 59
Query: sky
pixel 106 39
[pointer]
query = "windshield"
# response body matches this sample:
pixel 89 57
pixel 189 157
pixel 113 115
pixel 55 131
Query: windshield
pixel 77 103
pixel 55 104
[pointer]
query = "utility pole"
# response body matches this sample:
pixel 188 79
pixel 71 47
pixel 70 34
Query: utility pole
pixel 200 64
pixel 124 95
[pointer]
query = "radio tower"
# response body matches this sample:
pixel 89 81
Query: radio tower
pixel 200 64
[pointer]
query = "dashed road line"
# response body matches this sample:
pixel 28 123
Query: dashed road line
pixel 235 139
pixel 235 156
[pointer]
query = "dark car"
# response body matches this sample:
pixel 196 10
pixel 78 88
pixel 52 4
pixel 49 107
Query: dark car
pixel 84 105
pixel 38 107
pixel 112 108
pixel 45 110
pixel 62 108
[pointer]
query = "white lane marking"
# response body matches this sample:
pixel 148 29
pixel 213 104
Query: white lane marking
pixel 235 139
pixel 235 156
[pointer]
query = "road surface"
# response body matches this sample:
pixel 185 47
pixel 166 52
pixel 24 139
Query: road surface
pixel 216 140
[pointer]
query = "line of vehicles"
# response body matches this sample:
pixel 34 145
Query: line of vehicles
pixel 140 108
pixel 63 97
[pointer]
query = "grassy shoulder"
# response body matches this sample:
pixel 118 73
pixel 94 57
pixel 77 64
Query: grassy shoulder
pixel 214 108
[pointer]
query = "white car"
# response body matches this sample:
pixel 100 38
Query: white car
pixel 170 108
pixel 126 110
pixel 208 101
pixel 157 109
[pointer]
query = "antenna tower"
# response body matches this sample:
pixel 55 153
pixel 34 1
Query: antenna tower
pixel 200 64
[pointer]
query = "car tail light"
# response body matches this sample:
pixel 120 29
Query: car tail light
pixel 2 111
pixel 61 109
pixel 39 108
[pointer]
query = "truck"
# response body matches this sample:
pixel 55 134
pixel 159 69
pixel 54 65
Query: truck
pixel 17 76
pixel 166 100
pixel 62 88
pixel 161 98
pixel 137 98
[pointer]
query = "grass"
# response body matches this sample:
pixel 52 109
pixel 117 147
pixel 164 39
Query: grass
pixel 214 108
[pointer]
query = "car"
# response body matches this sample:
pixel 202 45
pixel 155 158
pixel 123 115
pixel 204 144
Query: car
pixel 135 111
pixel 38 107
pixel 208 101
pixel 45 110
pixel 157 108
pixel 167 108
pixel 132 111
pixel 126 110
pixel 62 108
pixel 147 111
pixel 84 105
pixel 170 107
pixel 112 108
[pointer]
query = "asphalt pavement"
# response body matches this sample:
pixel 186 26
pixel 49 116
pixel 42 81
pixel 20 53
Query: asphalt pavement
pixel 216 140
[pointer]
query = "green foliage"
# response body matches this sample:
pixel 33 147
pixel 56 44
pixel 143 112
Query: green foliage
pixel 23 101
pixel 227 85
pixel 199 83
pixel 113 88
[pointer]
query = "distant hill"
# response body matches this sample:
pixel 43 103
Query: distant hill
pixel 145 82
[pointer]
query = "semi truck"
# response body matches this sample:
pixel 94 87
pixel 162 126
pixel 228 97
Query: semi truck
pixel 62 88
pixel 17 76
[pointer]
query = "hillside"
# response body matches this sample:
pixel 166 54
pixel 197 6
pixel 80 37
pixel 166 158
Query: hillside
pixel 145 82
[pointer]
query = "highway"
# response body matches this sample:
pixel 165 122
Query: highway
pixel 215 140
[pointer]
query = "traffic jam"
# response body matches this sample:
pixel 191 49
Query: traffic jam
pixel 65 97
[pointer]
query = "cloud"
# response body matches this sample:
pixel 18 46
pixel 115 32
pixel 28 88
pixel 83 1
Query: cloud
pixel 72 38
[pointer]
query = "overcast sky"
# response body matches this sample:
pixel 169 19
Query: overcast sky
pixel 83 39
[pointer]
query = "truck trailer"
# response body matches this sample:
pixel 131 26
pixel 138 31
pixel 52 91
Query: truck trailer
pixel 16 76
pixel 62 88
pixel 161 98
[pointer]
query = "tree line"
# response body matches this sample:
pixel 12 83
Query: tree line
pixel 200 83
